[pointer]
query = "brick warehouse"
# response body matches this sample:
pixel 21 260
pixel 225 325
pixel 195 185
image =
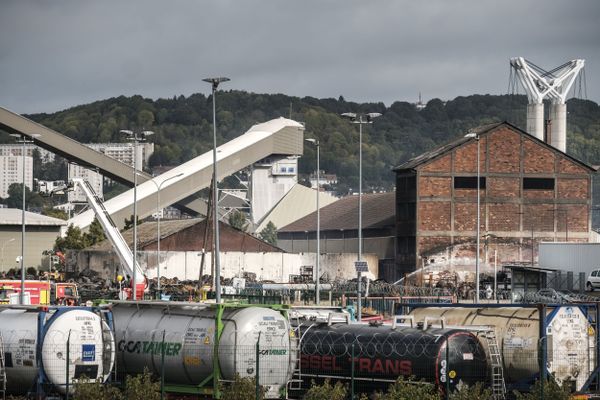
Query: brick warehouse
pixel 529 192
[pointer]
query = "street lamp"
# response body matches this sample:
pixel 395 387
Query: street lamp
pixel 318 271
pixel 135 138
pixel 158 214
pixel 3 245
pixel 24 140
pixel 476 137
pixel 215 84
pixel 360 119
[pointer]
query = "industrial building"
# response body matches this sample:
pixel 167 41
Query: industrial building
pixel 529 192
pixel 40 234
pixel 339 230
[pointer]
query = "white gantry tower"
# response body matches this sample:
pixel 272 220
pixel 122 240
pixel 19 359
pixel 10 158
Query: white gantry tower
pixel 553 85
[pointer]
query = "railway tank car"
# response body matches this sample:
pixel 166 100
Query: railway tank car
pixel 570 338
pixel 191 356
pixel 377 355
pixel 34 341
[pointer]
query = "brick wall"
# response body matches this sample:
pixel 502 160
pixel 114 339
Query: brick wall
pixel 446 216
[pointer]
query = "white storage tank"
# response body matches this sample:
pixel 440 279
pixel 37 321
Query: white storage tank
pixel 189 342
pixel 34 340
pixel 571 338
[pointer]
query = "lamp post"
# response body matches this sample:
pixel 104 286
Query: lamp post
pixel 135 138
pixel 360 119
pixel 215 84
pixel 318 270
pixel 24 140
pixel 158 214
pixel 476 137
pixel 3 245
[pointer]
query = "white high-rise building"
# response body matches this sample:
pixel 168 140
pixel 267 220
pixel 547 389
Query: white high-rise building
pixel 11 171
pixel 15 150
pixel 119 151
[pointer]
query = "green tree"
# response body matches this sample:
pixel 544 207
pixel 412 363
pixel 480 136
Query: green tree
pixel 269 233
pixel 326 391
pixel 405 389
pixel 552 390
pixel 95 233
pixel 142 387
pixel 238 220
pixel 129 222
pixel 15 197
pixel 52 212
pixel 85 389
pixel 74 239
pixel 475 392
pixel 242 389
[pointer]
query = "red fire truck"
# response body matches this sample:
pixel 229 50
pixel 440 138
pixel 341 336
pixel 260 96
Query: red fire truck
pixel 41 292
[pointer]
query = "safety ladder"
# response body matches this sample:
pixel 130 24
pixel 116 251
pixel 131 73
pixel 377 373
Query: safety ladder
pixel 498 384
pixel 296 382
pixel 2 369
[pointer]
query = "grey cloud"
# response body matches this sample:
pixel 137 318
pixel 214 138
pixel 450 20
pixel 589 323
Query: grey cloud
pixel 67 52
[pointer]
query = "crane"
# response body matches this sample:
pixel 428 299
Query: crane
pixel 138 283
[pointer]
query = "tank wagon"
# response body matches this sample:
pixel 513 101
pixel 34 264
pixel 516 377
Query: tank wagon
pixel 570 338
pixel 194 346
pixel 377 355
pixel 37 358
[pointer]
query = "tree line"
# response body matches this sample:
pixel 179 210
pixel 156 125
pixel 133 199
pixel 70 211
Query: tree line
pixel 183 128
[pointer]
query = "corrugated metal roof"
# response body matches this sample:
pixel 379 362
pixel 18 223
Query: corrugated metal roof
pixel 480 130
pixel 146 232
pixel 379 211
pixel 297 203
pixel 13 216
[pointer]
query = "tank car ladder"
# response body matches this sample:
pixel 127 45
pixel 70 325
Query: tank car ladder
pixel 498 384
pixel 2 369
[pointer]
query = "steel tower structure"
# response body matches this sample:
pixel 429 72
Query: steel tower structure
pixel 553 85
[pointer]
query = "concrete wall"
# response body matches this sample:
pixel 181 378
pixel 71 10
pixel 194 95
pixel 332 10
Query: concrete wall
pixel 383 247
pixel 276 267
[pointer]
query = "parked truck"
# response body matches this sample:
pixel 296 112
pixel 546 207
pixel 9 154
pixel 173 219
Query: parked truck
pixel 40 292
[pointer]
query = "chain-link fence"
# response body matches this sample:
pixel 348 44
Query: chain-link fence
pixel 364 358
pixel 54 361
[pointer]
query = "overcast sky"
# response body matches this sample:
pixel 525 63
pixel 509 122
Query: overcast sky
pixel 57 54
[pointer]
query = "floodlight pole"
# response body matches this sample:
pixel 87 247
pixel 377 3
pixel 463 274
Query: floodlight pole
pixel 476 137
pixel 158 214
pixel 360 119
pixel 24 140
pixel 318 263
pixel 135 139
pixel 216 251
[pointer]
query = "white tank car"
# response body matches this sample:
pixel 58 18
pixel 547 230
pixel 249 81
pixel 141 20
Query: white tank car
pixel 570 336
pixel 34 341
pixel 189 342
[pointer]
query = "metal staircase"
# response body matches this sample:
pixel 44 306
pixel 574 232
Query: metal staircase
pixel 498 384
pixel 2 369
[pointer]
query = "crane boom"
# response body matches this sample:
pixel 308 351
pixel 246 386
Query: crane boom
pixel 112 232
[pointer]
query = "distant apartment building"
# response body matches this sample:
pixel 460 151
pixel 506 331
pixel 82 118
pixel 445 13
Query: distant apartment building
pixel 11 171
pixel 123 152
pixel 16 149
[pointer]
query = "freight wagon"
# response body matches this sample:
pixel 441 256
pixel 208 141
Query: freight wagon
pixel 194 347
pixel 46 349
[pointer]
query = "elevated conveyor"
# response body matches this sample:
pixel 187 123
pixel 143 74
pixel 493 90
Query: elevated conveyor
pixel 80 154
pixel 276 137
